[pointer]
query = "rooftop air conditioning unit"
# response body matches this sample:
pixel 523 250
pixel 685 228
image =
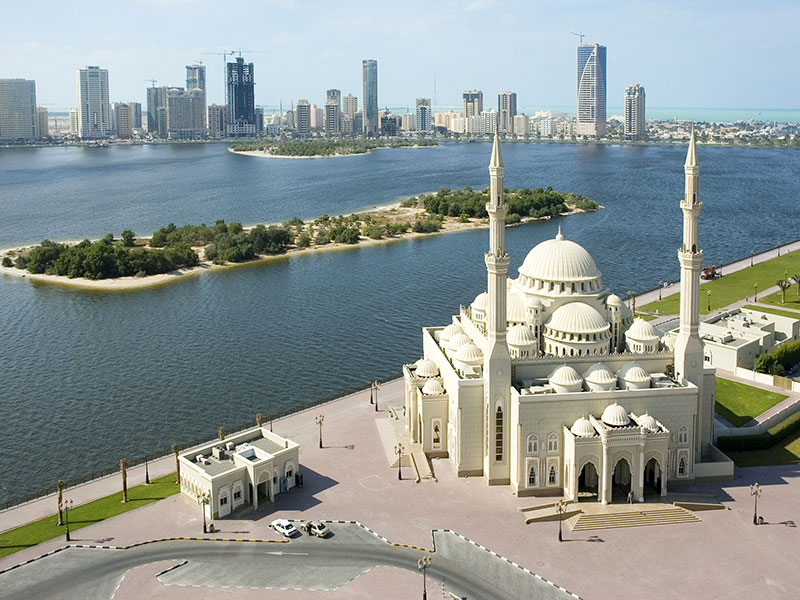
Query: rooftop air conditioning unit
pixel 229 446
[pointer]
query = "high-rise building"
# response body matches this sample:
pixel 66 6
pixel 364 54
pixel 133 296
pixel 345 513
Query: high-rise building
pixel 333 112
pixel 136 114
pixel 317 117
pixel 42 122
pixel 121 119
pixel 591 118
pixel 196 77
pixel 94 107
pixel 302 118
pixel 507 110
pixel 520 124
pixel 74 121
pixel 369 70
pixel 473 103
pixel 18 110
pixel 217 121
pixel 424 116
pixel 241 99
pixel 156 105
pixel 350 106
pixel 634 112
pixel 186 114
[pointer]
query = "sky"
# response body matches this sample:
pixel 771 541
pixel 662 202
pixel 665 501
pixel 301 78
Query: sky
pixel 699 53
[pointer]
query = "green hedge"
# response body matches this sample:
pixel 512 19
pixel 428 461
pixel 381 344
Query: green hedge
pixel 779 360
pixel 764 441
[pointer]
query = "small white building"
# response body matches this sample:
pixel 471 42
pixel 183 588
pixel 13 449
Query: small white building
pixel 247 468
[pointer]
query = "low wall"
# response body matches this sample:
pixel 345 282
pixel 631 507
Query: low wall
pixel 764 379
pixel 720 467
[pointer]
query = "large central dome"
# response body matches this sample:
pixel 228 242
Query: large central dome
pixel 559 260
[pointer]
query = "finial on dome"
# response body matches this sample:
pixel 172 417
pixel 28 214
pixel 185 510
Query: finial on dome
pixel 691 154
pixel 497 158
pixel 558 235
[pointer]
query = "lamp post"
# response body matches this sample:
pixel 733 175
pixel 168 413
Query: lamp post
pixel 67 506
pixel 708 293
pixel 146 472
pixel 561 508
pixel 660 287
pixel 377 387
pixel 751 257
pixel 371 392
pixel 399 449
pixel 203 500
pixel 422 565
pixel 319 420
pixel 755 292
pixel 755 492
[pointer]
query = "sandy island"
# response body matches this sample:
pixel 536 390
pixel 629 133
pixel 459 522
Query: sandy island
pixel 389 213
pixel 265 154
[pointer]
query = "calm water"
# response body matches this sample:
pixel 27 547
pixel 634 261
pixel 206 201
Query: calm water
pixel 90 377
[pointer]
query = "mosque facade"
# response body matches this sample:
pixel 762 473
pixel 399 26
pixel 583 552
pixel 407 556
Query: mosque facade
pixel 548 384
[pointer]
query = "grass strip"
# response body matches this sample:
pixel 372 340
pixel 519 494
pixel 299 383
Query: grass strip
pixel 773 311
pixel 738 403
pixel 786 452
pixel 92 512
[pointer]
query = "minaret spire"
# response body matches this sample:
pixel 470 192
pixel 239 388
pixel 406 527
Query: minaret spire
pixel 496 359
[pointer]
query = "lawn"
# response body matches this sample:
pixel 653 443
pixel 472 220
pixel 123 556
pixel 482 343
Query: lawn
pixel 645 317
pixel 785 452
pixel 774 311
pixel 47 528
pixel 792 299
pixel 736 286
pixel 738 403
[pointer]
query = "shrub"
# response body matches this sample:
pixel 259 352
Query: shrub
pixel 374 231
pixel 303 240
pixel 7 262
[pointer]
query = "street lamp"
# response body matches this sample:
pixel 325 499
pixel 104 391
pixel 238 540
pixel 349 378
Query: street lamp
pixel 708 293
pixel 377 387
pixel 399 449
pixel 422 565
pixel 751 257
pixel 146 472
pixel 319 421
pixel 203 500
pixel 755 492
pixel 561 508
pixel 371 391
pixel 67 506
pixel 755 292
pixel 660 287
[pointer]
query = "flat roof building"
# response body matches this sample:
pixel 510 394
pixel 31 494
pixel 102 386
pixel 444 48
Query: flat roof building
pixel 18 110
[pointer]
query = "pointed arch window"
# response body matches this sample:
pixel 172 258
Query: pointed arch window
pixel 552 442
pixel 551 477
pixel 682 467
pixel 533 444
pixel 532 482
pixel 498 434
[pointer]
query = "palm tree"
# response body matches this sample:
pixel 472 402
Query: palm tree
pixel 259 419
pixel 221 433
pixel 632 296
pixel 784 284
pixel 123 467
pixel 60 486
pixel 796 278
pixel 175 450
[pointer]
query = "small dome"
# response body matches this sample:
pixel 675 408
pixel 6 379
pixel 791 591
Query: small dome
pixel 469 354
pixel 565 379
pixel 432 388
pixel 642 331
pixel 521 336
pixel 600 374
pixel 480 302
pixel 613 300
pixel 614 415
pixel 515 309
pixel 648 422
pixel 426 368
pixel 633 372
pixel 559 260
pixel 577 317
pixel 458 340
pixel 450 331
pixel 582 428
pixel 533 303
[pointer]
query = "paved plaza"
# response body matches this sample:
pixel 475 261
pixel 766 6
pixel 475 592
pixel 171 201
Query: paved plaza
pixel 722 556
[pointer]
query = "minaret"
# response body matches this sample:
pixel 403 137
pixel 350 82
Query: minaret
pixel 688 347
pixel 496 361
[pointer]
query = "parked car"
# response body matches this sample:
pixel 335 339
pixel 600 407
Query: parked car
pixel 284 527
pixel 317 528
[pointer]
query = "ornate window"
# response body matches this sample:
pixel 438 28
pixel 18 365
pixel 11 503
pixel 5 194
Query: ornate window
pixel 437 433
pixel 683 435
pixel 498 434
pixel 532 477
pixel 552 443
pixel 682 467
pixel 533 444
pixel 552 477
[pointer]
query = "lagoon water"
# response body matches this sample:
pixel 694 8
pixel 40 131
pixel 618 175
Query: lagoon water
pixel 89 377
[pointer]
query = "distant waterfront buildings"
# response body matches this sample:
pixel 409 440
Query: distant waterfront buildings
pixel 121 119
pixel 369 72
pixel 507 110
pixel 94 107
pixel 217 121
pixel 634 112
pixel 240 94
pixel 157 111
pixel 302 116
pixel 591 91
pixel 424 116
pixel 333 112
pixel 18 110
pixel 42 122
pixel 196 77
pixel 186 114
pixel 473 103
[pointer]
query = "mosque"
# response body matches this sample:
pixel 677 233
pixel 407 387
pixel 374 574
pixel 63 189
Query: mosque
pixel 548 384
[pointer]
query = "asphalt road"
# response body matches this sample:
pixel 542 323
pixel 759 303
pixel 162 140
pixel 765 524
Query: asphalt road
pixel 95 573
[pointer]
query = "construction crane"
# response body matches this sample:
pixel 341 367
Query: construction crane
pixel 225 56
pixel 579 34
pixel 152 81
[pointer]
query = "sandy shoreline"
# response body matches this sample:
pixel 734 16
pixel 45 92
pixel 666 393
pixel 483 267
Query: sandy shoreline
pixel 265 154
pixel 449 225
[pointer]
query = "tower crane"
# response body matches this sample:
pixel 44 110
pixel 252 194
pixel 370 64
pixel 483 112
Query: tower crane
pixel 225 55
pixel 152 81
pixel 579 34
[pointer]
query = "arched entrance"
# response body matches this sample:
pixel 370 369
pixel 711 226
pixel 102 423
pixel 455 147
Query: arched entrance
pixel 652 478
pixel 621 481
pixel 588 483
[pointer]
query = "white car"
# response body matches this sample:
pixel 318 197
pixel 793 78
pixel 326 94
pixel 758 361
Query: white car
pixel 284 527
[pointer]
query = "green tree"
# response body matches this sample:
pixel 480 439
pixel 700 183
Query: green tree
pixel 783 284
pixel 123 467
pixel 128 238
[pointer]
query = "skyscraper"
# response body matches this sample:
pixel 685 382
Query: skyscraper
pixel 42 122
pixel 217 121
pixel 591 119
pixel 424 120
pixel 350 105
pixel 333 112
pixel 196 80
pixel 121 119
pixel 369 70
pixel 634 112
pixel 186 114
pixel 136 114
pixel 507 109
pixel 17 109
pixel 94 108
pixel 302 116
pixel 473 103
pixel 240 94
pixel 156 101
pixel 196 77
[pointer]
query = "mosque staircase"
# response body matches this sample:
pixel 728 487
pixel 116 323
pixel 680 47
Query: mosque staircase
pixel 665 515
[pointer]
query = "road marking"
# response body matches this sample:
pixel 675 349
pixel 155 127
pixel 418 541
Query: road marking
pixel 282 553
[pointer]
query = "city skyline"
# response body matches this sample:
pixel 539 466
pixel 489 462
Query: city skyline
pixel 316 57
